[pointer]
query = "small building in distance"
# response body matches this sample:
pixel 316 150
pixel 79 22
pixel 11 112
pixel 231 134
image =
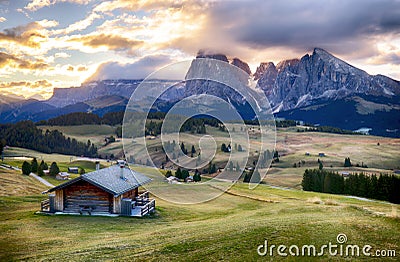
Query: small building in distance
pixel 108 191
pixel 73 169
pixel 62 176
pixel 321 154
pixel 189 179
pixel 345 174
pixel 173 180
pixel 307 153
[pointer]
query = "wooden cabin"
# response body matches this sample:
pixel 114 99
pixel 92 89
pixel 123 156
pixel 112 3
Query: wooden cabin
pixel 107 191
pixel 73 169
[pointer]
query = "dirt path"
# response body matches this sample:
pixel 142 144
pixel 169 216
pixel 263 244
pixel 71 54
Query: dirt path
pixel 42 180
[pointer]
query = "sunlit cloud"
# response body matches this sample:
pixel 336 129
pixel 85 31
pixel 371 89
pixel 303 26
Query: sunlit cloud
pixel 11 61
pixel 137 70
pixel 109 42
pixel 27 88
pixel 2 19
pixel 38 4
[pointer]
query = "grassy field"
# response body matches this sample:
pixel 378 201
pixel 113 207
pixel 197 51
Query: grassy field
pixel 83 133
pixel 291 145
pixel 361 149
pixel 228 228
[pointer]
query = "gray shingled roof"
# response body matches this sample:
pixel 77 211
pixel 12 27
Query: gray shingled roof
pixel 109 179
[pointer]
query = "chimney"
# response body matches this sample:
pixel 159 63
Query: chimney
pixel 97 165
pixel 121 175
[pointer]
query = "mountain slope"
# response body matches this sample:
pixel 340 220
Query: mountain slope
pixel 92 90
pixel 297 83
pixel 22 110
pixel 379 115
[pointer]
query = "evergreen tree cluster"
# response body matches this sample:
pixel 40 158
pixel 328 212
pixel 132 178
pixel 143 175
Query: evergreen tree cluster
pixel 3 143
pixel 212 168
pixel 181 174
pixel 347 162
pixel 265 157
pixel 252 176
pixel 82 118
pixel 327 129
pixel 25 134
pixel 34 167
pixel 286 123
pixel 225 148
pixel 383 187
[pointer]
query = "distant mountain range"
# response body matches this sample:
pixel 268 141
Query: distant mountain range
pixel 318 88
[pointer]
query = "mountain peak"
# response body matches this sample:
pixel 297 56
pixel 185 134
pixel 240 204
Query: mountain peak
pixel 285 63
pixel 323 53
pixel 242 65
pixel 207 54
pixel 262 68
pixel 320 50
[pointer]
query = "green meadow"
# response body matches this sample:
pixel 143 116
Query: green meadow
pixel 228 228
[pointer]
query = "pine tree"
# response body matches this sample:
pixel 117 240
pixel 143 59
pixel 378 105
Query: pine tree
pixel 183 148
pixel 247 177
pixel 347 162
pixel 178 173
pixel 40 171
pixel 43 165
pixel 197 177
pixel 230 167
pixel 54 170
pixel 168 173
pixel 223 147
pixel 26 168
pixel 255 177
pixel 193 150
pixel 306 183
pixel 276 154
pixel 1 148
pixel 34 165
pixel 212 168
pixel 238 167
pixel 185 174
pixel 321 166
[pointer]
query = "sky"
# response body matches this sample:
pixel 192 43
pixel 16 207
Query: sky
pixel 47 44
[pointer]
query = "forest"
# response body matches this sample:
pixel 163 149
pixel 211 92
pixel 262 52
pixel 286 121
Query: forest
pixel 383 187
pixel 25 134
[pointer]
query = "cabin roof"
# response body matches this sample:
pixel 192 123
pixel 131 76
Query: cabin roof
pixel 109 179
pixel 63 174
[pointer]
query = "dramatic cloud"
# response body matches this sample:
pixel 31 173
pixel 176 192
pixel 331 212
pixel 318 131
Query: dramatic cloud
pixel 33 89
pixel 15 62
pixel 340 26
pixel 111 42
pixel 30 35
pixel 139 70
